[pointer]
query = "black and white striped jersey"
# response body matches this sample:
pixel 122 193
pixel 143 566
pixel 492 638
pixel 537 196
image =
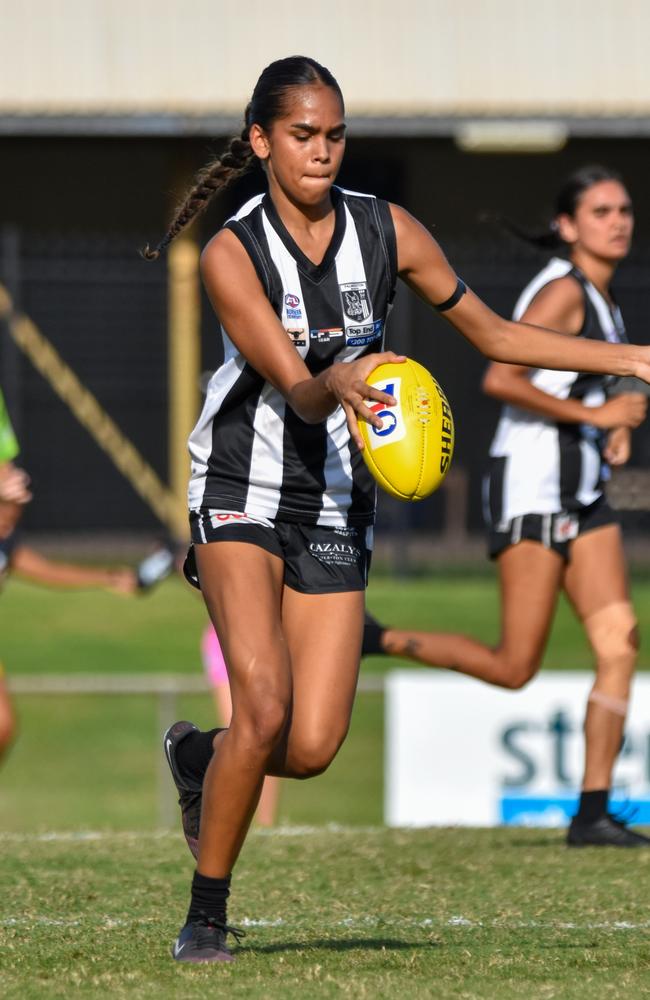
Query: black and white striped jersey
pixel 538 465
pixel 249 451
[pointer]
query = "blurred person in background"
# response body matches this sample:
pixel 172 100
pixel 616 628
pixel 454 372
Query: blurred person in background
pixel 22 560
pixel 14 492
pixel 281 502
pixel 550 528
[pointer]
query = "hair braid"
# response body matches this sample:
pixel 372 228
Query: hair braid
pixel 214 177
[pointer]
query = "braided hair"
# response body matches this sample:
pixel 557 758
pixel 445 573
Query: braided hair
pixel 266 105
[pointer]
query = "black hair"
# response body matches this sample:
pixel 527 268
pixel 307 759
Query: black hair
pixel 265 106
pixel 566 203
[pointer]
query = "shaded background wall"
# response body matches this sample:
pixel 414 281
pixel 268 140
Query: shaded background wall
pixel 74 211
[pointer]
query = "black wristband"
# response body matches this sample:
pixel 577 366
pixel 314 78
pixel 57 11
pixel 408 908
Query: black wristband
pixel 449 303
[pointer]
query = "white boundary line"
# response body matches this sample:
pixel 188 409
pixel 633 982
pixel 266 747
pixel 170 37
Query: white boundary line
pixel 80 836
pixel 350 923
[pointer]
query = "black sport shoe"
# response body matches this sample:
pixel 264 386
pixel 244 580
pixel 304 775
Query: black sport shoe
pixel 205 941
pixel 606 831
pixel 189 791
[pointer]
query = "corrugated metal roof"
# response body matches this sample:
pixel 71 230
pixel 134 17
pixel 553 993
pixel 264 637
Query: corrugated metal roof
pixel 190 61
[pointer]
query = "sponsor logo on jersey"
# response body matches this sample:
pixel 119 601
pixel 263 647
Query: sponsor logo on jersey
pixel 219 517
pixel 393 427
pixel 298 336
pixel 565 527
pixel 356 301
pixel 359 336
pixel 292 306
pixel 324 336
pixel 335 553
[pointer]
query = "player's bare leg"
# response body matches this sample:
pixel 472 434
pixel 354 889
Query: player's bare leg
pixel 268 803
pixel 324 637
pixel 530 577
pixel 255 650
pixel 596 584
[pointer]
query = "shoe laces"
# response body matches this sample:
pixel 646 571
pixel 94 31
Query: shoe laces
pixel 208 924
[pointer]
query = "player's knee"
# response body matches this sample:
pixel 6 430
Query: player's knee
pixel 613 635
pixel 518 669
pixel 260 725
pixel 314 755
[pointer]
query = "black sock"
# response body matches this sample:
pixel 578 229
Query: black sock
pixel 209 897
pixel 372 633
pixel 592 806
pixel 194 753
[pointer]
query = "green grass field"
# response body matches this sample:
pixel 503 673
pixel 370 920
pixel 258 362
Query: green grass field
pixel 93 891
pixel 355 913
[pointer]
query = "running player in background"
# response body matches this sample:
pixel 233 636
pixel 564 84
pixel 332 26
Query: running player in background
pixel 20 559
pixel 217 675
pixel 550 527
pixel 282 504
pixel 14 491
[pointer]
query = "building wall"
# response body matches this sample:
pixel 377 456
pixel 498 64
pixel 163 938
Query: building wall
pixel 422 57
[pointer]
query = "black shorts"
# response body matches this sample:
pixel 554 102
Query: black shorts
pixel 317 559
pixel 553 531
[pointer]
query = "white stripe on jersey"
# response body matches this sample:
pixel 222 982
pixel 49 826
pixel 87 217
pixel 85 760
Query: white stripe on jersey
pixel 338 458
pixel 263 496
pixel 200 442
pixel 350 271
pixel 288 270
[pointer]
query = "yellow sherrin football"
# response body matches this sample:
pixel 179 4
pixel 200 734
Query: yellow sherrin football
pixel 410 454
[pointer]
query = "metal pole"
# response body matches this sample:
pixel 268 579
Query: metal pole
pixel 184 353
pixel 10 361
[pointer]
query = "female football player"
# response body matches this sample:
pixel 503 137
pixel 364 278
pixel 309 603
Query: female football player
pixel 301 278
pixel 550 527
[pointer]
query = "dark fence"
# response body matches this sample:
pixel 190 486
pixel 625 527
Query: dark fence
pixel 104 310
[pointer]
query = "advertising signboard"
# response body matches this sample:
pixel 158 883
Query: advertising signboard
pixel 461 752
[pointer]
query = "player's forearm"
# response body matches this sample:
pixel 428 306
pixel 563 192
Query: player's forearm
pixel 29 564
pixel 312 399
pixel 520 392
pixel 540 348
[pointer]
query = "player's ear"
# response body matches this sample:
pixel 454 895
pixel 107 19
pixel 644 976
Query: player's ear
pixel 259 142
pixel 566 228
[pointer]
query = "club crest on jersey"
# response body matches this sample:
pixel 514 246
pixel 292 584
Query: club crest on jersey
pixel 356 301
pixel 393 427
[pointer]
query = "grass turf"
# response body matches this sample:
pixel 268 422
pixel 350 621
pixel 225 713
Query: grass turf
pixel 350 912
